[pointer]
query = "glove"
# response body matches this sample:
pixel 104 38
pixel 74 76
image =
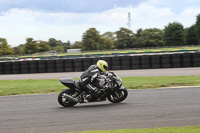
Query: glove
pixel 106 74
pixel 108 86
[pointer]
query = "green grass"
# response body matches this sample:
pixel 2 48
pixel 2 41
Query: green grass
pixel 188 129
pixel 32 86
pixel 157 82
pixel 36 86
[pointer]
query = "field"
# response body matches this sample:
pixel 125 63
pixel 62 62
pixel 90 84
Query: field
pixel 36 86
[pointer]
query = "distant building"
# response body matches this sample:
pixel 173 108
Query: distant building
pixel 72 51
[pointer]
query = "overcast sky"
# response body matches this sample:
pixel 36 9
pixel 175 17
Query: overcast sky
pixel 67 20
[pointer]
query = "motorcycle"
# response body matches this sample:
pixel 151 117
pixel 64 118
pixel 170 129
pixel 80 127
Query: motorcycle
pixel 114 91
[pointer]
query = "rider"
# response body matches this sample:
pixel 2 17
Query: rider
pixel 88 78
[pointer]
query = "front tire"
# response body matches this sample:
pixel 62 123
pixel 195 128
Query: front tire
pixel 63 101
pixel 118 96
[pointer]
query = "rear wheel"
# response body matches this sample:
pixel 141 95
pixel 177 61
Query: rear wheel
pixel 64 101
pixel 118 96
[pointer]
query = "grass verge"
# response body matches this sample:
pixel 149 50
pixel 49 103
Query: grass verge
pixel 188 129
pixel 36 86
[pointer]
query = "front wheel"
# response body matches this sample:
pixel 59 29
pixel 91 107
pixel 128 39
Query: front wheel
pixel 62 100
pixel 118 95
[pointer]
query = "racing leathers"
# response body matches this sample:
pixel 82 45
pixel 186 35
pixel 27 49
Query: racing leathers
pixel 88 78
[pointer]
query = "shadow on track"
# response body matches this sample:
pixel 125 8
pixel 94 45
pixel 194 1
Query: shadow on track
pixel 93 105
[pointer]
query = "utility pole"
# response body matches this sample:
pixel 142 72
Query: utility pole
pixel 129 20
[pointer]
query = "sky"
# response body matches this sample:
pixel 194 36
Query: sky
pixel 67 20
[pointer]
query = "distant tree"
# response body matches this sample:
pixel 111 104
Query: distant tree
pixel 66 45
pixel 77 45
pixel 190 36
pixel 139 32
pixel 5 48
pixel 105 43
pixel 21 45
pixel 18 50
pixel 43 46
pixel 137 39
pixel 173 35
pixel 152 37
pixel 109 35
pixel 134 42
pixel 59 49
pixel 54 43
pixel 90 40
pixel 198 28
pixel 1 39
pixel 31 46
pixel 123 38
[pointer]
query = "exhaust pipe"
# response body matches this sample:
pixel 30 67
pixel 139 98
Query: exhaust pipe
pixel 70 98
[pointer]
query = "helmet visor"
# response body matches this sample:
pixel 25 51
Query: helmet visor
pixel 105 67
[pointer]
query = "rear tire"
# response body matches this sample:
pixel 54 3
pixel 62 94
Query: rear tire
pixel 63 101
pixel 118 96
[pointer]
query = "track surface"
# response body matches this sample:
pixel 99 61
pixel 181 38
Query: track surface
pixel 122 73
pixel 142 109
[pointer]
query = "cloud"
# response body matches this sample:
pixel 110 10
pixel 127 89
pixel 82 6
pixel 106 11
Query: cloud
pixel 78 6
pixel 176 6
pixel 17 24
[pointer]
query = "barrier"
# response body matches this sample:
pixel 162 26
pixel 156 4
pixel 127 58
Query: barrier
pixel 68 65
pixel 165 60
pixel 145 62
pixel 59 65
pixel 135 62
pixel 25 67
pixel 16 67
pixel 33 65
pixel 78 64
pixel 86 63
pixel 186 60
pixel 126 62
pixel 115 63
pixel 7 68
pixel 1 67
pixel 41 66
pixel 51 67
pixel 155 61
pixel 196 59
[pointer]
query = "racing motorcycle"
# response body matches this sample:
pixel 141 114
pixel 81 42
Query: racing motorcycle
pixel 114 91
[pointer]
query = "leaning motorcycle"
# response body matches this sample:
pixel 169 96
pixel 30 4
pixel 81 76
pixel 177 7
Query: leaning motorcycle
pixel 74 94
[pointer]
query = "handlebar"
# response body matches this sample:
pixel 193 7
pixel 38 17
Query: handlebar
pixel 112 73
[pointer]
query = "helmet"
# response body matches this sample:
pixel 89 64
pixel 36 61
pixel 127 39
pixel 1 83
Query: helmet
pixel 103 65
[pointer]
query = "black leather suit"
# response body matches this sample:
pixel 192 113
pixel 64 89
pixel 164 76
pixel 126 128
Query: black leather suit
pixel 88 79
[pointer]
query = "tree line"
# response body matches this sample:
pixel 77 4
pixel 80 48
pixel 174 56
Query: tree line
pixel 174 34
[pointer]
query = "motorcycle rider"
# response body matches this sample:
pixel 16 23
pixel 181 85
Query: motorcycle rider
pixel 90 75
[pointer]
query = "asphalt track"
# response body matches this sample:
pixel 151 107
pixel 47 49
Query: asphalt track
pixel 193 71
pixel 142 109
